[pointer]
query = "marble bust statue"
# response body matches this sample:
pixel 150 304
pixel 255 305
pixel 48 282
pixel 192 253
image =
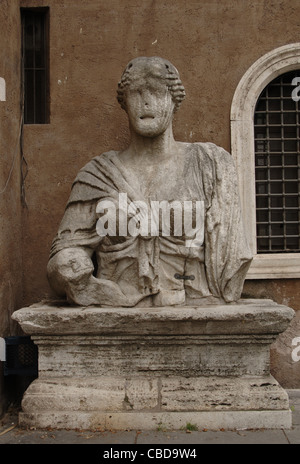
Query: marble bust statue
pixel 106 252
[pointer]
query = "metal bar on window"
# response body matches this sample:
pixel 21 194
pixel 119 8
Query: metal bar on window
pixel 35 67
pixel 277 157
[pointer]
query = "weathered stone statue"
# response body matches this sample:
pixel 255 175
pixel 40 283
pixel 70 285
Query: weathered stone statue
pixel 207 262
pixel 143 345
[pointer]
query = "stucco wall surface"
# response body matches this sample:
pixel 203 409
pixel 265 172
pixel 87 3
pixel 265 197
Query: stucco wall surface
pixel 10 207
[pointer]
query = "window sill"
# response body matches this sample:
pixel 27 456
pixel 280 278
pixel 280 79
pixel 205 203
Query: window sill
pixel 275 266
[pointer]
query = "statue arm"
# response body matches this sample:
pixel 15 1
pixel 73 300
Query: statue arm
pixel 70 267
pixel 70 273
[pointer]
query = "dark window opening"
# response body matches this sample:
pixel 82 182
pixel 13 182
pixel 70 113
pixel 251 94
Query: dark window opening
pixel 35 65
pixel 277 167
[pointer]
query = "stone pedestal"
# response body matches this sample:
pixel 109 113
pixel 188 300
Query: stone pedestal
pixel 142 368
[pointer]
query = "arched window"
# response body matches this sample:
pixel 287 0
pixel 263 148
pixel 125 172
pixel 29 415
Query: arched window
pixel 265 130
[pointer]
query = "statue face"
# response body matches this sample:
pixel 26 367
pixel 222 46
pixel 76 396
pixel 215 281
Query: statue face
pixel 149 106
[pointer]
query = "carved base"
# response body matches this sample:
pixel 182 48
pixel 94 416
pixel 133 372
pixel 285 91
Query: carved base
pixel 117 368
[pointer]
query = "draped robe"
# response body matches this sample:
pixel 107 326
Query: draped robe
pixel 149 266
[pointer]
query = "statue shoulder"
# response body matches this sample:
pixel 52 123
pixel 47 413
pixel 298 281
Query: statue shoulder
pixel 90 180
pixel 213 151
pixel 98 161
pixel 210 153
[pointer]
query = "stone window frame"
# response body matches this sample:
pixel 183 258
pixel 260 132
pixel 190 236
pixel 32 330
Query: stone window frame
pixel 254 81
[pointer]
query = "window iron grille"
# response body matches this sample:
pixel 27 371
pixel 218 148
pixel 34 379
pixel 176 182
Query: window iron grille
pixel 277 167
pixel 35 65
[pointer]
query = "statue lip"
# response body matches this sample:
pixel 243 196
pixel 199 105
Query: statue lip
pixel 147 116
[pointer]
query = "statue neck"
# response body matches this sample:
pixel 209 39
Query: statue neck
pixel 153 148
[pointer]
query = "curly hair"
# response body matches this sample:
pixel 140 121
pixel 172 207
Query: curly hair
pixel 167 71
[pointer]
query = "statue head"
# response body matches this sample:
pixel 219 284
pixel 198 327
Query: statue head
pixel 151 68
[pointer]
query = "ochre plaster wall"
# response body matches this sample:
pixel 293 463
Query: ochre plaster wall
pixel 10 207
pixel 212 43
